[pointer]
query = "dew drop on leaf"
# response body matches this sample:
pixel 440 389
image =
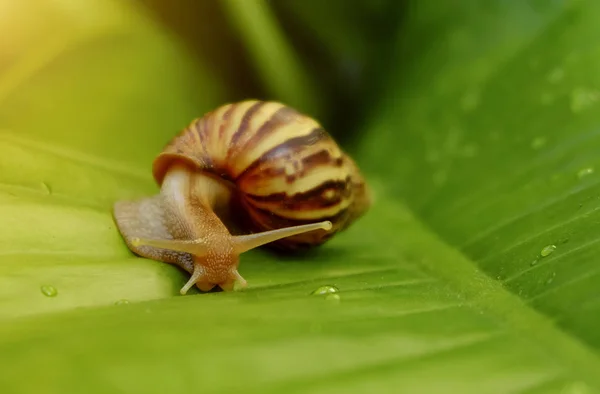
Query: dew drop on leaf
pixel 49 291
pixel 551 278
pixel 564 240
pixel 325 290
pixel 547 250
pixel 534 262
pixel 334 297
pixel 584 172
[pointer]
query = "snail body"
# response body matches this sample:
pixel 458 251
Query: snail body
pixel 290 182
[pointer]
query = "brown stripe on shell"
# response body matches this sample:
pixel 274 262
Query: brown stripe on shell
pixel 225 118
pixel 201 129
pixel 187 142
pixel 186 146
pixel 316 197
pixel 322 157
pixel 244 125
pixel 324 200
pixel 289 171
pixel 288 148
pixel 267 172
pixel 280 118
pixel 193 135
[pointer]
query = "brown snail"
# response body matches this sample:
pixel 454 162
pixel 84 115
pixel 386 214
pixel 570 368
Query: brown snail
pixel 296 188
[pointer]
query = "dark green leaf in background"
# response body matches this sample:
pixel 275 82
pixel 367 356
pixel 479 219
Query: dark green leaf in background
pixel 507 165
pixel 476 271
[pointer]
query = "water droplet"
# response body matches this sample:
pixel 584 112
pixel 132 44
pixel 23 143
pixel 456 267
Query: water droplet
pixel 584 172
pixel 564 240
pixel 122 302
pixel 332 297
pixel 324 290
pixel 538 143
pixel 49 291
pixel 534 262
pixel 551 278
pixel 547 250
pixel 582 99
pixel 556 75
pixel 45 188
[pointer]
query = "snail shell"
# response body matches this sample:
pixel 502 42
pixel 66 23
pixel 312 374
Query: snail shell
pixel 280 167
pixel 287 169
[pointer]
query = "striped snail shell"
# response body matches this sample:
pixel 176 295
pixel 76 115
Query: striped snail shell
pixel 258 167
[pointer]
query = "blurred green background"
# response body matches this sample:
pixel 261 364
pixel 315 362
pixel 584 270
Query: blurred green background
pixel 475 122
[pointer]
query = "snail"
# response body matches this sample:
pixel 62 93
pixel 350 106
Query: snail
pixel 258 167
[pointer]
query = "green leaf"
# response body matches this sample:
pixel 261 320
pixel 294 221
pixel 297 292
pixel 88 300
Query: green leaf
pixel 481 155
pixel 85 105
pixel 501 149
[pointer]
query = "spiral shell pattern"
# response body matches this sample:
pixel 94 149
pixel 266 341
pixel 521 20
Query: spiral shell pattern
pixel 286 168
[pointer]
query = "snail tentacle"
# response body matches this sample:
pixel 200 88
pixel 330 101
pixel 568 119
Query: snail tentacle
pixel 195 278
pixel 243 243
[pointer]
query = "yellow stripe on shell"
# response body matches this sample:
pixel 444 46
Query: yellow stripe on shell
pixel 303 214
pixel 218 147
pixel 232 124
pixel 277 137
pixel 257 119
pixel 313 177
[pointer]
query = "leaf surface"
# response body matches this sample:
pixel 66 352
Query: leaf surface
pixel 480 153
